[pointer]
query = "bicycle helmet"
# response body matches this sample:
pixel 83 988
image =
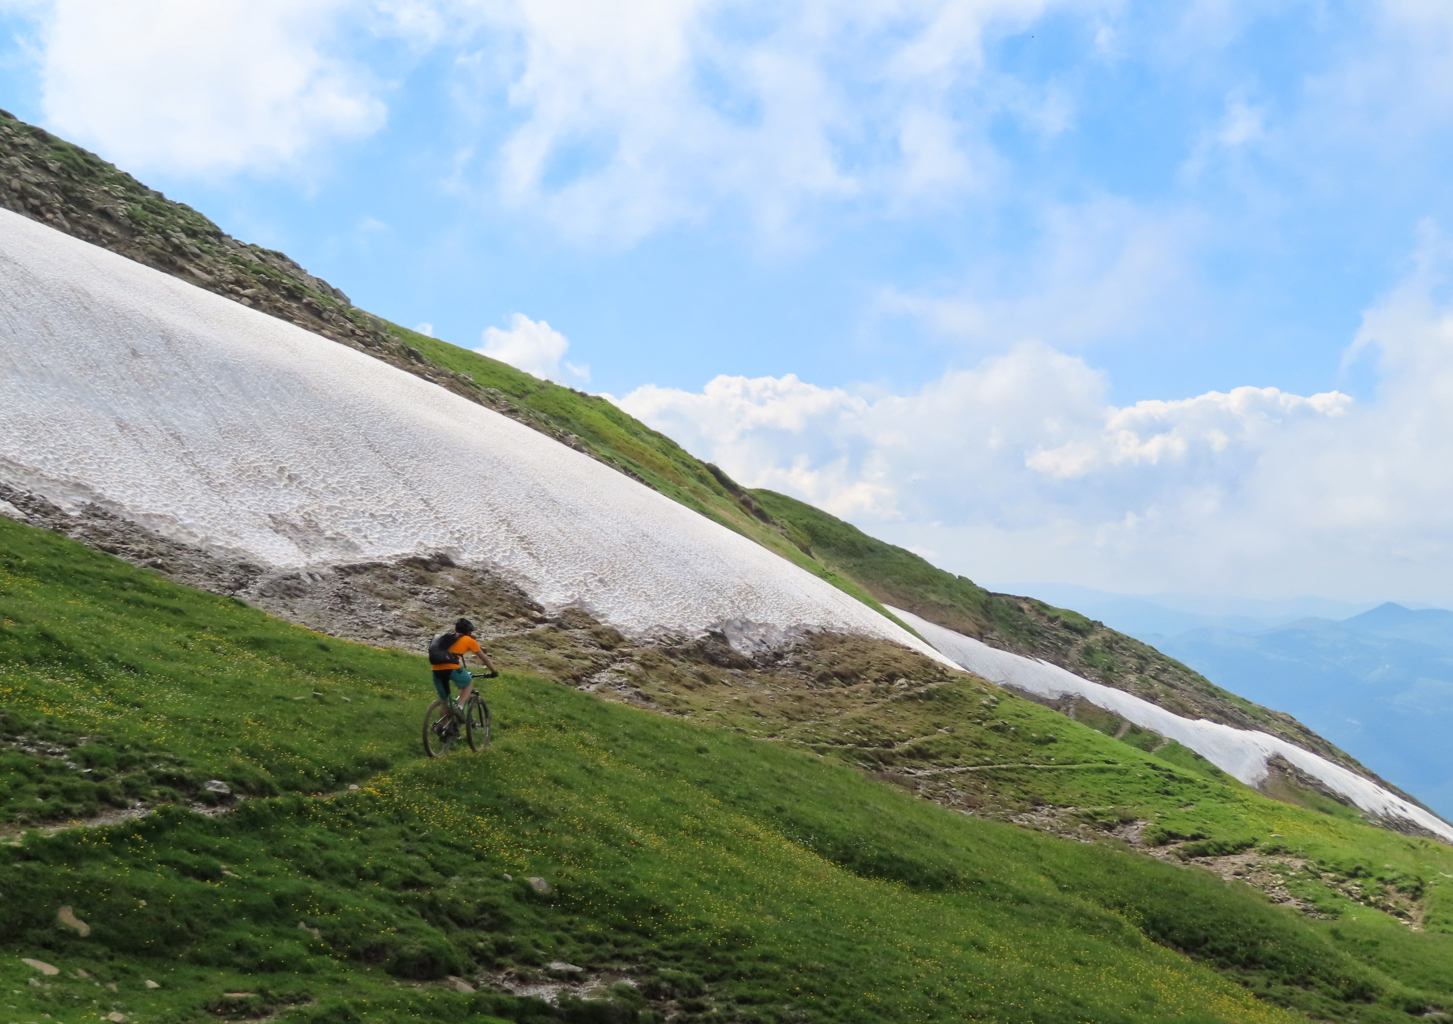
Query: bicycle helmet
pixel 464 626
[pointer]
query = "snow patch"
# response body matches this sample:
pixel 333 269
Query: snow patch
pixel 219 426
pixel 1240 753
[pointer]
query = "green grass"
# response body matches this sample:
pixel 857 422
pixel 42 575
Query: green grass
pixel 901 578
pixel 894 574
pixel 743 879
pixel 971 745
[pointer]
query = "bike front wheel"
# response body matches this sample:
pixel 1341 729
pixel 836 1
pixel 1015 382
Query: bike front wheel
pixel 476 724
pixel 440 729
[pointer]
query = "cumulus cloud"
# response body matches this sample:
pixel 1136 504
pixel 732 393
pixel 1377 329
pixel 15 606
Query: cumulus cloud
pixel 613 121
pixel 201 88
pixel 1156 432
pixel 533 346
pixel 610 120
pixel 1020 426
pixel 1019 468
pixel 888 457
pixel 638 115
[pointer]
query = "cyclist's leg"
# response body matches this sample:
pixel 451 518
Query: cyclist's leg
pixel 441 683
pixel 465 682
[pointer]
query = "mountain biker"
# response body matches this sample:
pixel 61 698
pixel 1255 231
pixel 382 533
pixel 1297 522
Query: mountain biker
pixel 447 652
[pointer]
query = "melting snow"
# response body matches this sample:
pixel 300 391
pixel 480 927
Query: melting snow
pixel 217 425
pixel 1240 753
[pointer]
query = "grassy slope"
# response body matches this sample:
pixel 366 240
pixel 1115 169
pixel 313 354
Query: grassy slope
pixel 974 747
pixel 901 578
pixel 732 877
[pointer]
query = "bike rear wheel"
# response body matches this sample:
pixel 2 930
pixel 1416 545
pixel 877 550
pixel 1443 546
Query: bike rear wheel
pixel 476 723
pixel 440 729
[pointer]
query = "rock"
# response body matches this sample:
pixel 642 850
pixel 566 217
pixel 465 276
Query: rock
pixel 111 985
pixel 540 885
pixel 116 1018
pixel 68 918
pixel 7 509
pixel 562 966
pixel 32 983
pixel 352 785
pixel 238 995
pixel 41 965
pixel 217 786
pixel 151 984
pixel 459 984
pixel 317 932
pixel 83 974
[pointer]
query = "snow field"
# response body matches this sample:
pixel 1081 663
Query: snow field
pixel 1240 753
pixel 223 427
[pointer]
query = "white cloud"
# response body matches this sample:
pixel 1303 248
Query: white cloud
pixel 425 328
pixel 201 88
pixel 533 346
pixel 1020 469
pixel 618 120
pixel 1210 425
pixel 612 121
pixel 634 116
pixel 889 457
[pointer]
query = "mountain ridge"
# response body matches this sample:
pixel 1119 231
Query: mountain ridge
pixel 1432 626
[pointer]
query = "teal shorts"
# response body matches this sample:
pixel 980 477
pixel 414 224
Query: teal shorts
pixel 460 677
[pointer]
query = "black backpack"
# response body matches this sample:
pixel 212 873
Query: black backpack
pixel 439 652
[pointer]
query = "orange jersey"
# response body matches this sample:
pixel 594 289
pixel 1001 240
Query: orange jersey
pixel 464 645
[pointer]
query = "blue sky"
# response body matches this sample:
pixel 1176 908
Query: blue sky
pixel 1008 282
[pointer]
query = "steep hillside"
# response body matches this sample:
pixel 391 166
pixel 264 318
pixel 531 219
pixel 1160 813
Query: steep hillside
pixel 64 186
pixel 1253 757
pixel 598 863
pixel 1029 627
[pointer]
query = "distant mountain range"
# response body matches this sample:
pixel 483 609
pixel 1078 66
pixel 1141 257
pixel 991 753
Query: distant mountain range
pixel 1378 684
pixel 1171 614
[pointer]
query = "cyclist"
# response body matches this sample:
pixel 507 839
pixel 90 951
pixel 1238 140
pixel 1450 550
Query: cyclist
pixel 447 652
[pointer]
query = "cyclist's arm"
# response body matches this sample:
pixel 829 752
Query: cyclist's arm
pixel 484 660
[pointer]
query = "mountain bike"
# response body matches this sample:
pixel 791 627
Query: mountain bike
pixel 442 728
